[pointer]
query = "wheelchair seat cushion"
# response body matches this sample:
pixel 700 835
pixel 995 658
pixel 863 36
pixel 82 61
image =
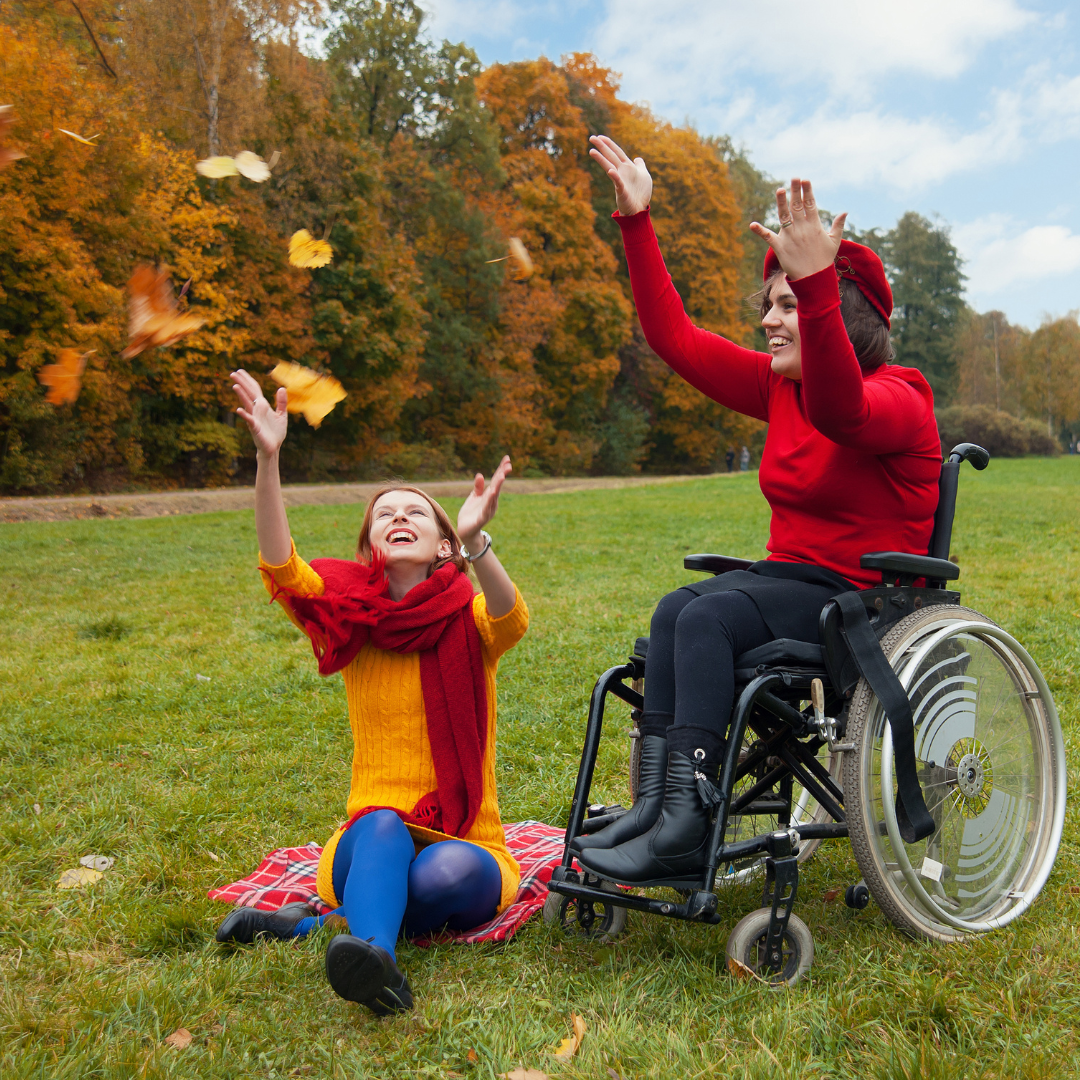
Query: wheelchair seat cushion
pixel 783 652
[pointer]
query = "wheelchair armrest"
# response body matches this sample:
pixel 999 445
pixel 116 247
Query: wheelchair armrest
pixel 899 565
pixel 714 564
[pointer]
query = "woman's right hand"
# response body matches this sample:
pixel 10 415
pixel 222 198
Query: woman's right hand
pixel 633 184
pixel 267 425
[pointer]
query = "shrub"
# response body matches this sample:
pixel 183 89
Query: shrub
pixel 1003 434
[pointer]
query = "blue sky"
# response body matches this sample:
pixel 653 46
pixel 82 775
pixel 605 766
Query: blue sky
pixel 967 110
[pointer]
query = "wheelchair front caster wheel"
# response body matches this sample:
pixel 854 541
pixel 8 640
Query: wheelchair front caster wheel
pixel 747 946
pixel 589 919
pixel 857 896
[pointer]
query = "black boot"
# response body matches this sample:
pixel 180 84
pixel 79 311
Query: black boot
pixel 365 973
pixel 674 849
pixel 646 809
pixel 245 924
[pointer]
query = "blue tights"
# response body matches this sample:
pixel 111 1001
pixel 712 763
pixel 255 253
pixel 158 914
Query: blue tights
pixel 382 883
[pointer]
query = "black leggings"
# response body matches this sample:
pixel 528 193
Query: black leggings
pixel 690 666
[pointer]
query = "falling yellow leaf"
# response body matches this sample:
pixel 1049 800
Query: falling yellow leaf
pixel 307 252
pixel 64 378
pixel 275 157
pixel 153 317
pixel 79 138
pixel 310 393
pixel 519 256
pixel 180 1039
pixel 524 1074
pixel 7 155
pixel 78 876
pixel 569 1047
pixel 252 166
pixel 217 168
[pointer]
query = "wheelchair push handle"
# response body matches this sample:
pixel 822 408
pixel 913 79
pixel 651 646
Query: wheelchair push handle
pixel 967 451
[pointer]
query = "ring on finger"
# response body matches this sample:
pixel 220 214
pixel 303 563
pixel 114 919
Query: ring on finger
pixel 785 224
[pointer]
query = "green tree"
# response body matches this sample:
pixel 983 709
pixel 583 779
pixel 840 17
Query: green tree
pixel 924 269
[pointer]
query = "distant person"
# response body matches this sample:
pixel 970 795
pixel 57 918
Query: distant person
pixel 744 459
pixel 729 457
pixel 423 846
pixel 850 465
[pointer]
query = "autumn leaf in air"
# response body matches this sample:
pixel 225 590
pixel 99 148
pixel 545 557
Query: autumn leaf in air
pixel 307 252
pixel 520 259
pixel 310 393
pixel 153 317
pixel 64 378
pixel 8 156
pixel 244 164
pixel 79 138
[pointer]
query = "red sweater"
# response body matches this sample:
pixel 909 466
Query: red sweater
pixel 851 460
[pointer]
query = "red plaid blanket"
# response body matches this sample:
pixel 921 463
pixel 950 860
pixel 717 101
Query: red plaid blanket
pixel 288 875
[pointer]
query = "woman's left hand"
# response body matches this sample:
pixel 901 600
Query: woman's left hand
pixel 801 244
pixel 479 508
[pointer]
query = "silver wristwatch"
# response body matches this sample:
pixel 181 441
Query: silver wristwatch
pixel 481 553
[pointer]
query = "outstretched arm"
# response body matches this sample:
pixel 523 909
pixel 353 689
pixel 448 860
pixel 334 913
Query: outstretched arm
pixel 477 510
pixel 268 426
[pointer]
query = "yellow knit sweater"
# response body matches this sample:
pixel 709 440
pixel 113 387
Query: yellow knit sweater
pixel 392 763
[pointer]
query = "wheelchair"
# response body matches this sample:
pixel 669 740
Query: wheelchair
pixel 815 753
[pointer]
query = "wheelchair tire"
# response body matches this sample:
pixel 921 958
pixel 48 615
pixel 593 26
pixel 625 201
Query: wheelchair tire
pixel 992 766
pixel 601 923
pixel 747 944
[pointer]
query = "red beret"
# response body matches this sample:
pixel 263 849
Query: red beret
pixel 855 263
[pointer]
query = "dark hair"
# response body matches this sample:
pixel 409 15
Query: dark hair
pixel 446 530
pixel 866 329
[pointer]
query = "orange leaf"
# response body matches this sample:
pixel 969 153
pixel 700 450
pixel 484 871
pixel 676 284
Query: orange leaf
pixel 831 895
pixel 472 1055
pixel 64 378
pixel 569 1047
pixel 180 1038
pixel 153 318
pixel 741 970
pixel 7 155
pixel 310 393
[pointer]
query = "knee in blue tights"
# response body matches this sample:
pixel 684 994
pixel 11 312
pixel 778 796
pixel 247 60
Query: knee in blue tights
pixel 454 884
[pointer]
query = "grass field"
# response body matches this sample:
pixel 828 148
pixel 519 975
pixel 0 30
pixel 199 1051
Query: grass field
pixel 109 743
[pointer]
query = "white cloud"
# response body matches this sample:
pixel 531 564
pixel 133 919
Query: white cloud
pixel 846 44
pixel 1001 255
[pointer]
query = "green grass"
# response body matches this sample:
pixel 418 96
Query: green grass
pixel 106 727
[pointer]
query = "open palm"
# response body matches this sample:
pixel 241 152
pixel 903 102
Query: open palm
pixel 479 508
pixel 267 424
pixel 633 184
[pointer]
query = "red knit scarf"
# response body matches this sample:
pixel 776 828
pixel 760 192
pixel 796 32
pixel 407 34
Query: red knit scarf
pixel 434 619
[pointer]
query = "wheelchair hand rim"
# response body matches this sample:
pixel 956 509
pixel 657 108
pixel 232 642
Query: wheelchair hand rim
pixel 1057 790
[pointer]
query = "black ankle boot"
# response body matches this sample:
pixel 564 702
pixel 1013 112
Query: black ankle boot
pixel 675 847
pixel 245 924
pixel 646 809
pixel 365 973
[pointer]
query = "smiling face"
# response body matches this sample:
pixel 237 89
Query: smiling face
pixel 781 323
pixel 405 531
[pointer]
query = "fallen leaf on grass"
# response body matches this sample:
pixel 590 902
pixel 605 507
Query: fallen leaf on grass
pixel 569 1047
pixel 37 809
pixel 213 856
pixel 180 1038
pixel 472 1055
pixel 740 970
pixel 97 862
pixel 613 1074
pixel 202 678
pixel 524 1074
pixel 310 393
pixel 77 877
pixel 1074 888
pixel 830 895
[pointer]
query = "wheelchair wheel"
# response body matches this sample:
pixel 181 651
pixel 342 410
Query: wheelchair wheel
pixel 595 921
pixel 747 945
pixel 992 767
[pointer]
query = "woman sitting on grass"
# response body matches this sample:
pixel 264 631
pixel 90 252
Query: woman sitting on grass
pixel 850 466
pixel 423 847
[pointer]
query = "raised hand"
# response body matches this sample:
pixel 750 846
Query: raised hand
pixel 633 184
pixel 267 425
pixel 802 243
pixel 479 508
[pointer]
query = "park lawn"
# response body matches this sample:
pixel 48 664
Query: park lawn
pixel 106 727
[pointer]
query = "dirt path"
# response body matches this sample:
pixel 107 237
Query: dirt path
pixel 163 503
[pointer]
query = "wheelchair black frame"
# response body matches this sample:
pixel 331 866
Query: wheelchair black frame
pixel 762 698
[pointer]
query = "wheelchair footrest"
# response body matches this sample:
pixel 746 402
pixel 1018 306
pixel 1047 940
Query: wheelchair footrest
pixel 700 906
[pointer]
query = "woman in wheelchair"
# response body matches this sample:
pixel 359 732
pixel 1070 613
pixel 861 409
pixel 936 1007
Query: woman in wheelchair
pixel 850 465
